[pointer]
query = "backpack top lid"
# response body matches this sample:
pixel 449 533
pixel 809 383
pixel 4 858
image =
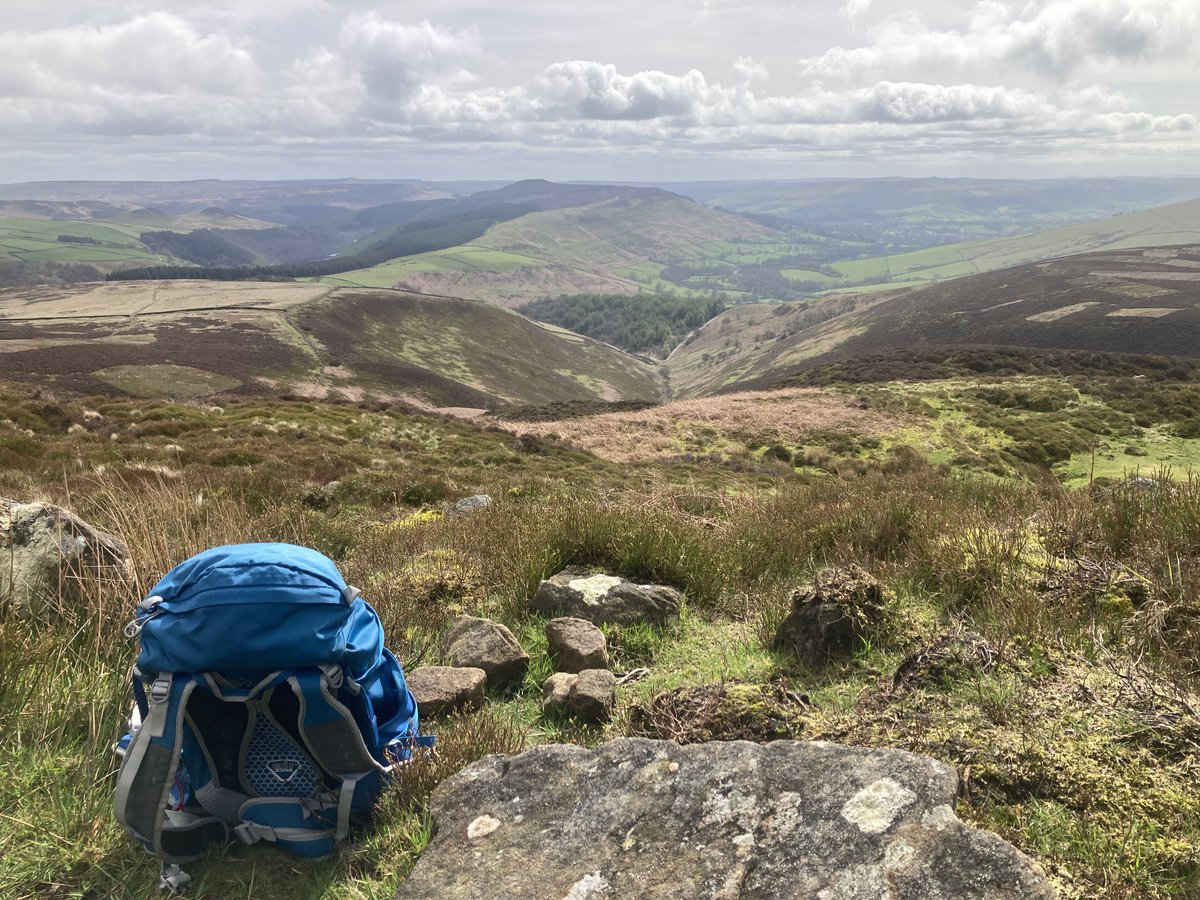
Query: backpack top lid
pixel 255 607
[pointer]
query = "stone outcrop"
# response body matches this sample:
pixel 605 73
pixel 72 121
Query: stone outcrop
pixel 445 689
pixel 576 644
pixel 830 616
pixel 733 820
pixel 588 696
pixel 468 505
pixel 45 552
pixel 606 599
pixel 483 644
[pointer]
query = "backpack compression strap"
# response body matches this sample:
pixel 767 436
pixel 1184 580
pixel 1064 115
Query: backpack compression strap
pixel 147 775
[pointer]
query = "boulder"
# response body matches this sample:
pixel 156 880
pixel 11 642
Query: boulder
pixel 831 615
pixel 588 696
pixel 46 551
pixel 602 599
pixel 483 644
pixel 445 689
pixel 468 505
pixel 576 644
pixel 734 820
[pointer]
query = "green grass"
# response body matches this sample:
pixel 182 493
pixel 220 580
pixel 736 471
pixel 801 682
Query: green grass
pixel 166 380
pixel 36 241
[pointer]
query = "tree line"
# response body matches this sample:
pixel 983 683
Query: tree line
pixel 652 324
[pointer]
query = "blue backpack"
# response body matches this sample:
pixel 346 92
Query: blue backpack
pixel 267 707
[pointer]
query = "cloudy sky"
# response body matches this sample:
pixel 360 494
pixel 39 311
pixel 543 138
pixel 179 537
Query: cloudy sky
pixel 629 89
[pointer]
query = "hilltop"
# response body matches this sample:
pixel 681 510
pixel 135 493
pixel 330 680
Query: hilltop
pixel 553 239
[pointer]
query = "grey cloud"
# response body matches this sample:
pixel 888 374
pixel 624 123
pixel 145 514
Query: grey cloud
pixel 374 83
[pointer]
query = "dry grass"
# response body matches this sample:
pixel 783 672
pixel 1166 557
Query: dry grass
pixel 725 424
pixel 129 298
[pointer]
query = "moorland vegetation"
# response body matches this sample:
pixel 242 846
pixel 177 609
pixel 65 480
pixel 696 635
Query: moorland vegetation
pixel 1041 639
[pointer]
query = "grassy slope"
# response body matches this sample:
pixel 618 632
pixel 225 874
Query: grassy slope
pixel 1077 724
pixel 181 338
pixel 611 246
pixel 35 240
pixel 1133 301
pixel 1080 430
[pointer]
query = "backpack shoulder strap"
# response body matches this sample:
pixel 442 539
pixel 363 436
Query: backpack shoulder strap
pixel 333 736
pixel 147 775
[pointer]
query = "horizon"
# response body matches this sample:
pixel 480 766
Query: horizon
pixel 685 90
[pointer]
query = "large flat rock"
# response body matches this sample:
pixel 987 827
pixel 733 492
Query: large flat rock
pixel 652 819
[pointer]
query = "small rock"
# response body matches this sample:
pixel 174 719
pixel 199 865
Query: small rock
pixel 480 643
pixel 445 689
pixel 468 504
pixel 602 598
pixel 588 696
pixel 830 615
pixel 46 552
pixel 556 692
pixel 576 644
pixel 593 695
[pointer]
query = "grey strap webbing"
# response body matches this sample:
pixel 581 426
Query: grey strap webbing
pixel 148 772
pixel 345 801
pixel 148 769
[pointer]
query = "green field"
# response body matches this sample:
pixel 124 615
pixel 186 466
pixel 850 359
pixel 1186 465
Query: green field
pixel 36 241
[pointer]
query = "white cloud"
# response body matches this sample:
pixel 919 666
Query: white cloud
pixel 853 10
pixel 157 53
pixel 748 69
pixel 1052 37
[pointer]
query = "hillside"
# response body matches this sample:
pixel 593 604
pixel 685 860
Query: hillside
pixel 573 239
pixel 182 338
pixel 1042 641
pixel 1127 301
pixel 1178 223
pixel 634 239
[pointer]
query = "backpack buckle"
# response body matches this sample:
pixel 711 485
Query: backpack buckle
pixel 160 690
pixel 333 676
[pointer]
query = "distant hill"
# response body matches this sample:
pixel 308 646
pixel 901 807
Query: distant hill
pixel 572 239
pixel 200 338
pixel 282 202
pixel 989 207
pixel 1137 301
